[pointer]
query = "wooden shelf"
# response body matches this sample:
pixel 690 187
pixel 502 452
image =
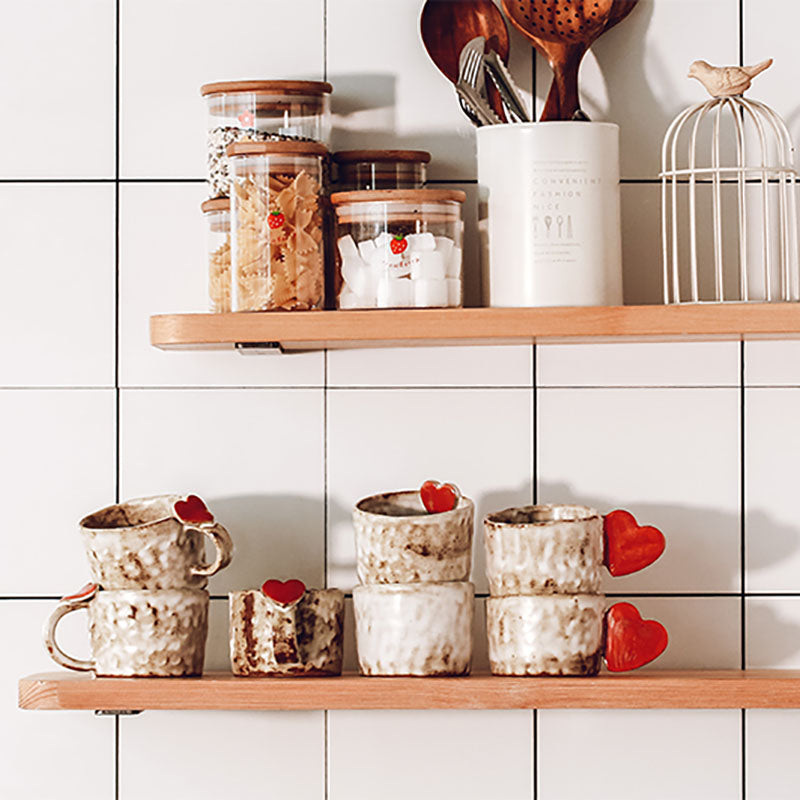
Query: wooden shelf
pixel 311 330
pixel 215 691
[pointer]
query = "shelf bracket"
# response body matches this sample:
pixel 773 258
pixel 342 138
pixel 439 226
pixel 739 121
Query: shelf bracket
pixel 258 348
pixel 105 712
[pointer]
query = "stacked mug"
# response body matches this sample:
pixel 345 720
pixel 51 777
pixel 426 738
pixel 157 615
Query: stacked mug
pixel 147 603
pixel 546 614
pixel 414 607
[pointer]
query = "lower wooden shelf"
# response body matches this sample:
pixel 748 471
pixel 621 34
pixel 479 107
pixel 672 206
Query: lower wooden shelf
pixel 218 691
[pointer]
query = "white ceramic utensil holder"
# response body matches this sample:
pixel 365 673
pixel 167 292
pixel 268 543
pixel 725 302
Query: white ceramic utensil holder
pixel 549 214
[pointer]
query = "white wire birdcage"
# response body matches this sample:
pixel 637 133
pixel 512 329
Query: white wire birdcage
pixel 749 185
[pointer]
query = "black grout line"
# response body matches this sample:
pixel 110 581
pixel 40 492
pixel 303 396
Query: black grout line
pixel 325 466
pixel 742 509
pixel 535 430
pixel 743 756
pixel 535 747
pixel 116 328
pixel 116 757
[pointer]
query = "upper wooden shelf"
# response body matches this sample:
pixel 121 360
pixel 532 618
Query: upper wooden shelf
pixel 312 330
pixel 216 691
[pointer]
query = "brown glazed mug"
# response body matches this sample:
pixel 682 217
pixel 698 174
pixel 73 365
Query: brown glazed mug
pixel 134 633
pixel 154 543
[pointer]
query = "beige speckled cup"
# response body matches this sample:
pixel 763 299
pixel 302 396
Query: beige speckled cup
pixel 138 633
pixel 547 549
pixel 398 541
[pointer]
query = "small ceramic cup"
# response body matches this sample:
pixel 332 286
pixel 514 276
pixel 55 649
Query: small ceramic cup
pixel 137 633
pixel 558 634
pixel 398 541
pixel 415 628
pixel 303 637
pixel 142 544
pixel 544 550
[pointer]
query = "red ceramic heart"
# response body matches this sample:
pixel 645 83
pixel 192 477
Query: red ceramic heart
pixel 284 592
pixel 85 593
pixel 437 497
pixel 632 641
pixel 193 511
pixel 629 547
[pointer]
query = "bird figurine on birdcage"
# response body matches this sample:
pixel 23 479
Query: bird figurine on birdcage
pixel 728 207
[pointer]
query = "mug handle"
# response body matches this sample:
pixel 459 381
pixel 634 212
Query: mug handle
pixel 631 642
pixel 56 653
pixel 222 544
pixel 627 546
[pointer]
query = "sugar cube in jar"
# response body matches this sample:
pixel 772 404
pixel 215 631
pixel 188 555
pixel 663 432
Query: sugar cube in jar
pixel 218 217
pixel 277 226
pixel 398 248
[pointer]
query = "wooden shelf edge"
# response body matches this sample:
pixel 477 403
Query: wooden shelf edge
pixel 706 689
pixel 306 330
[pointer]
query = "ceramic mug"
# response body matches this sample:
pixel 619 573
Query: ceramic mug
pixel 558 634
pixel 302 636
pixel 136 633
pixel 415 628
pixel 560 549
pixel 398 541
pixel 144 544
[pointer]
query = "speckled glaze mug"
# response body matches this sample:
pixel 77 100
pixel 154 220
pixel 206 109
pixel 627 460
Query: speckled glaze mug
pixel 136 633
pixel 143 544
pixel 398 541
pixel 303 637
pixel 414 628
pixel 561 549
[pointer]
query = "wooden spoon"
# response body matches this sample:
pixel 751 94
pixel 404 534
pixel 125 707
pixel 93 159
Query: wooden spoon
pixel 562 31
pixel 447 25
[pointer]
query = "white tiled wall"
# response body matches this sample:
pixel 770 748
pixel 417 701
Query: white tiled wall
pixel 99 196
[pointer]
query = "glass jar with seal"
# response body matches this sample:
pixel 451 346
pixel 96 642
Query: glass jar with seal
pixel 381 169
pixel 277 219
pixel 398 248
pixel 218 217
pixel 262 111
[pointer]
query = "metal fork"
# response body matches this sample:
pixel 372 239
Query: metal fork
pixel 470 70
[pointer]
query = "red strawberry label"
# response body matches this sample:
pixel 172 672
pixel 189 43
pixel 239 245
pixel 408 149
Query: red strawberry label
pixel 275 220
pixel 284 592
pixel 398 245
pixel 629 547
pixel 438 498
pixel 193 511
pixel 631 641
pixel 86 593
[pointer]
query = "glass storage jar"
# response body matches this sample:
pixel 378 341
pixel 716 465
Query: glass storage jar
pixel 381 169
pixel 277 218
pixel 262 111
pixel 398 248
pixel 218 217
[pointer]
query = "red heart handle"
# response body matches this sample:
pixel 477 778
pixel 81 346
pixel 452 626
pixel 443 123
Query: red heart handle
pixel 193 511
pixel 284 593
pixel 437 497
pixel 629 546
pixel 632 642
pixel 85 593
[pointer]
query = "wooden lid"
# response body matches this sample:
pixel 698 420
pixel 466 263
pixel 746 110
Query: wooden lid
pixel 353 156
pixel 216 204
pixel 276 149
pixel 270 87
pixel 401 195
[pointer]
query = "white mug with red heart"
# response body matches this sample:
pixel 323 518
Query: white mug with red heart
pixel 559 634
pixel 560 549
pixel 154 543
pixel 136 633
pixel 286 629
pixel 414 536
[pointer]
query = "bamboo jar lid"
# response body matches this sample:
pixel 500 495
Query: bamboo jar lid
pixel 399 195
pixel 267 87
pixel 268 148
pixel 381 156
pixel 216 204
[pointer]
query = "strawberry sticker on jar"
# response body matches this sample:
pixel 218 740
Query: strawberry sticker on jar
pixel 399 248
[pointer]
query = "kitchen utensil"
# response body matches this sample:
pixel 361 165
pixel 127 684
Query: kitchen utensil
pixel 144 544
pixel 137 633
pixel 562 32
pixel 471 82
pixel 397 541
pixel 447 25
pixel 504 83
pixel 300 637
pixel 548 221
